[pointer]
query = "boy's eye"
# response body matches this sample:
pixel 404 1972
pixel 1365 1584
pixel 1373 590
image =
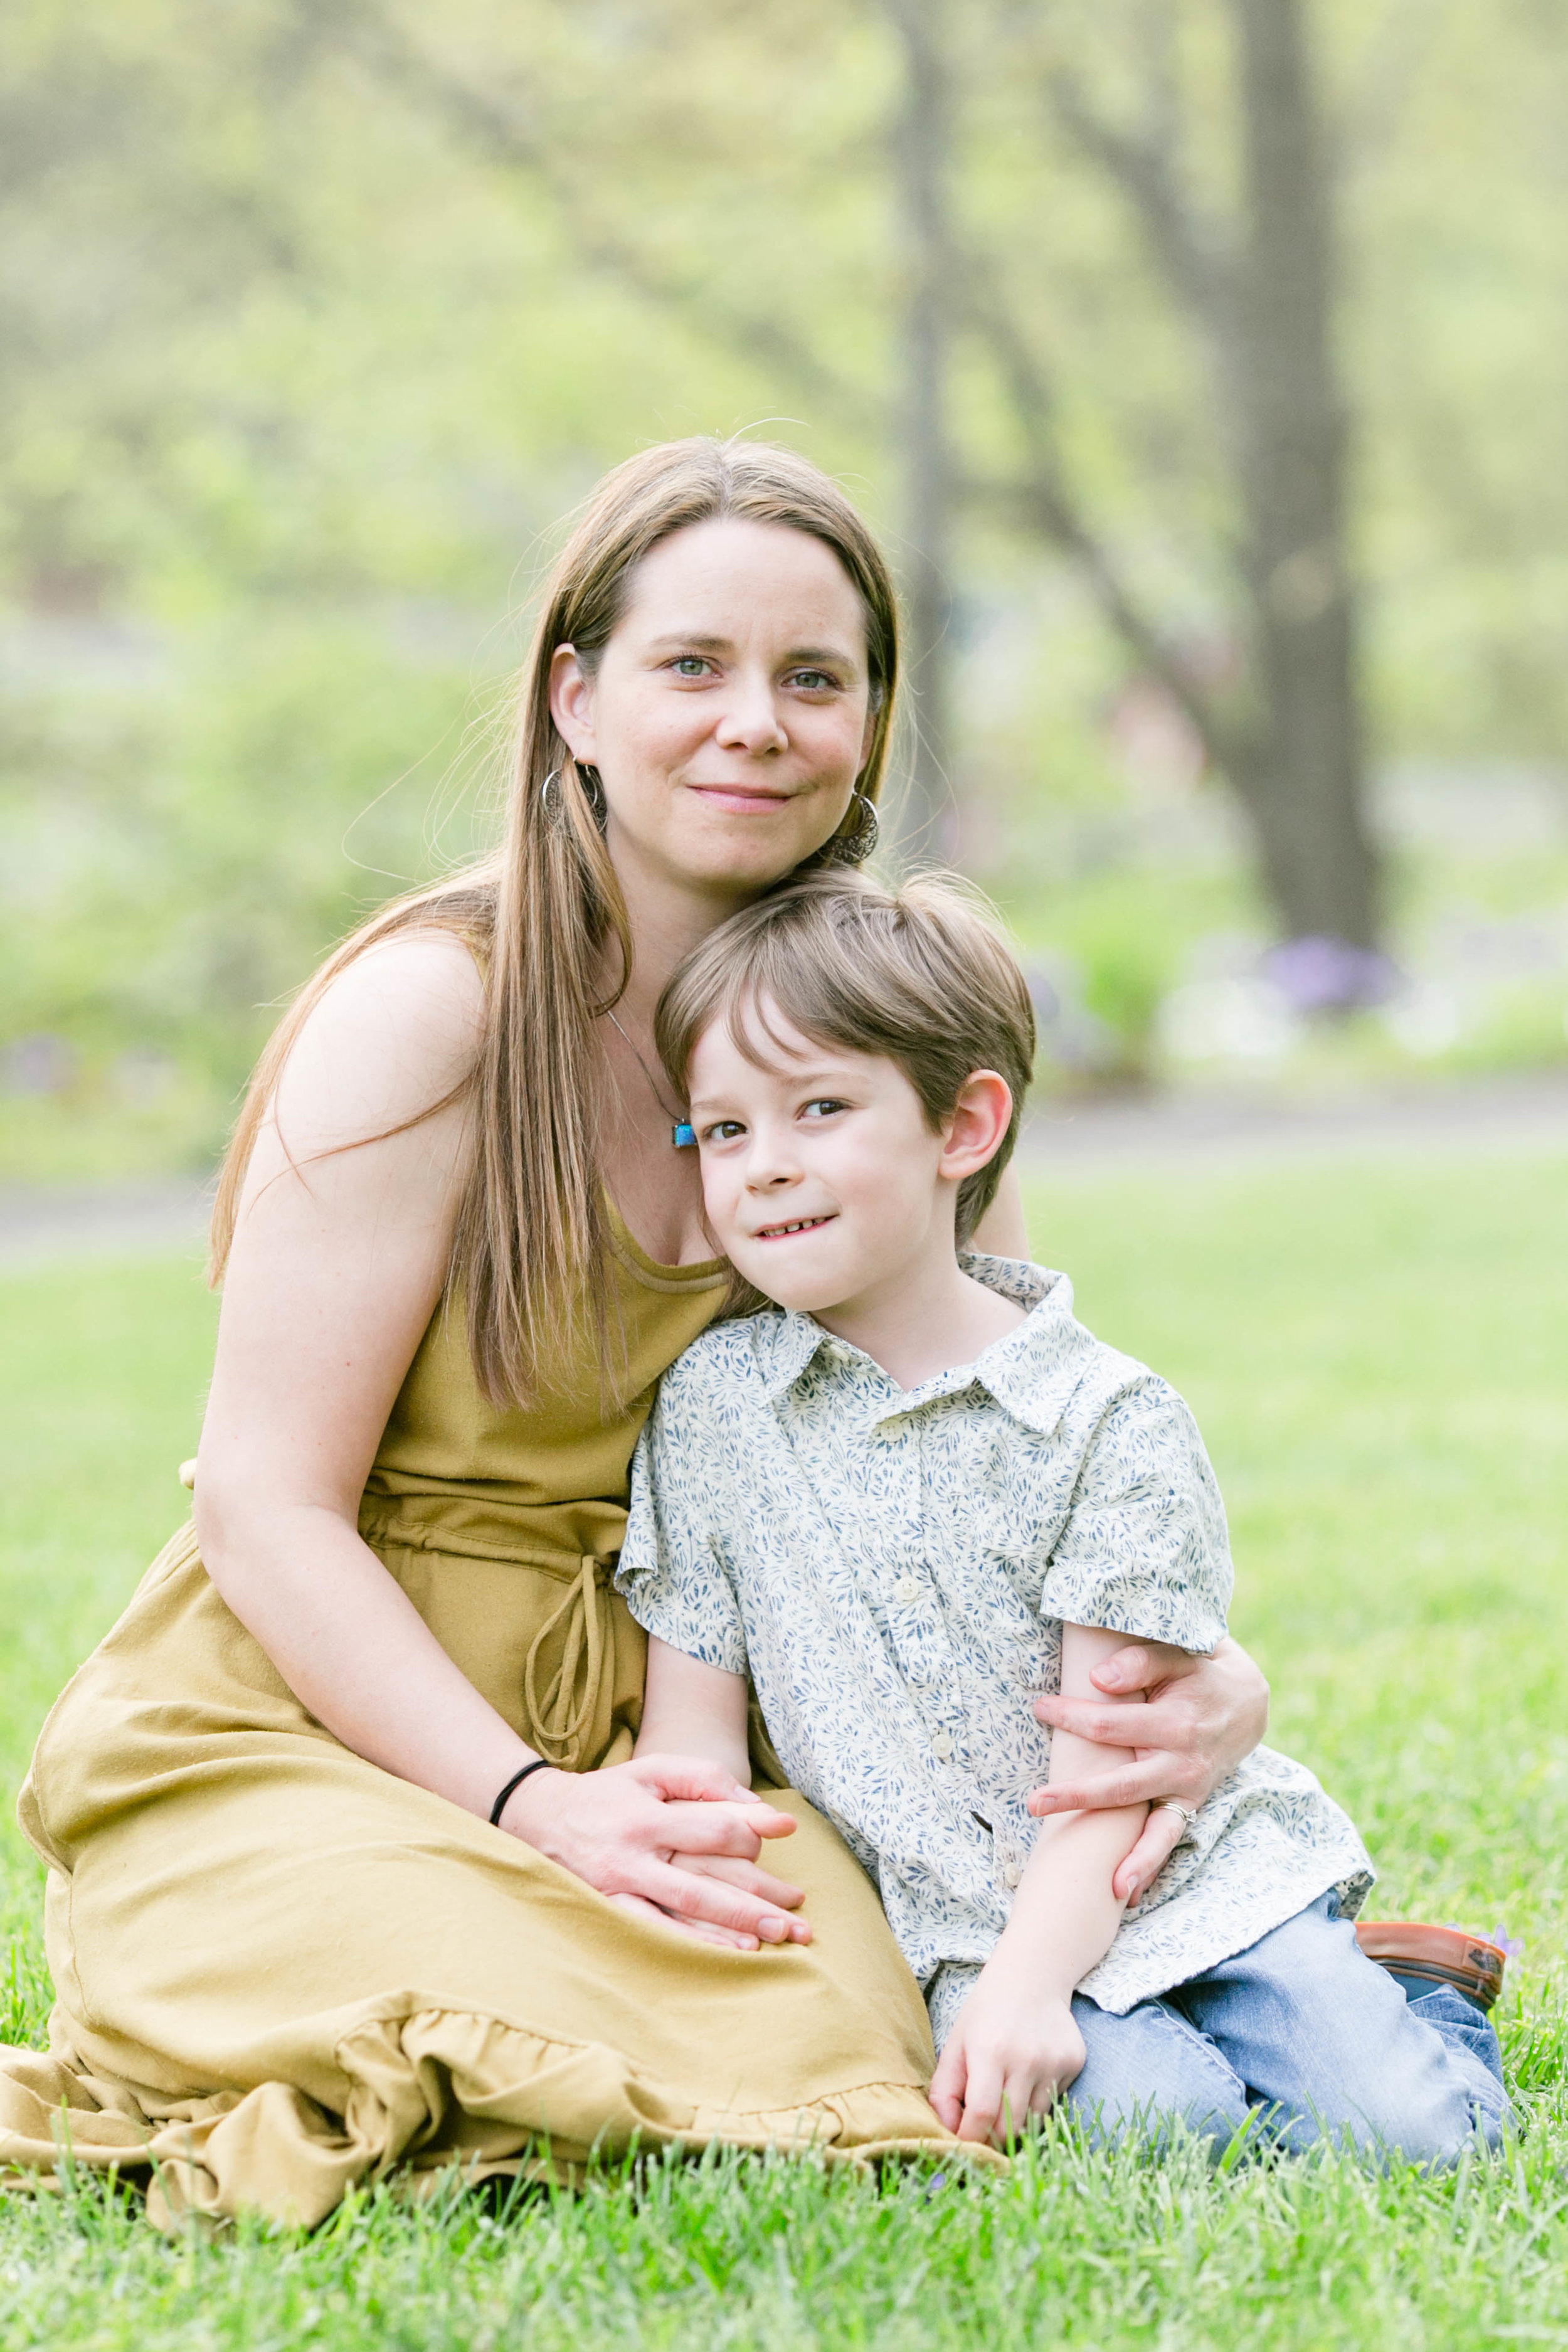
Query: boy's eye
pixel 823 1107
pixel 723 1130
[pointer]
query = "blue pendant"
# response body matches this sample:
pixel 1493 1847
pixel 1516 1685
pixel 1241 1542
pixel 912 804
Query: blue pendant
pixel 683 1135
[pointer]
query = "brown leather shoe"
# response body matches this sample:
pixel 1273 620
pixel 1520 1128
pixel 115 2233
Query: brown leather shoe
pixel 1410 1948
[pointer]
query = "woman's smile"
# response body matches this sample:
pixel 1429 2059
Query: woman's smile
pixel 744 800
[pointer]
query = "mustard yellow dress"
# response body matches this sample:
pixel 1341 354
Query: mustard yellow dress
pixel 280 1970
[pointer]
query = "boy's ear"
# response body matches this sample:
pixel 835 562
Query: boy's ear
pixel 974 1132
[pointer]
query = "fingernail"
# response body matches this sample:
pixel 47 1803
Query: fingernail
pixel 775 1928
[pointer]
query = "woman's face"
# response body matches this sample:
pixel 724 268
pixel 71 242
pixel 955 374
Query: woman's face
pixel 728 715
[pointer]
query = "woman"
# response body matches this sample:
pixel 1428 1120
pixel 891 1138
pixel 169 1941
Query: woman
pixel 332 1813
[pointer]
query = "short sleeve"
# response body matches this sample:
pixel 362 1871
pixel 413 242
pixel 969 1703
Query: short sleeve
pixel 1143 1550
pixel 671 1570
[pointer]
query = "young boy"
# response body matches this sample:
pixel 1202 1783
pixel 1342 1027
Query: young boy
pixel 913 1493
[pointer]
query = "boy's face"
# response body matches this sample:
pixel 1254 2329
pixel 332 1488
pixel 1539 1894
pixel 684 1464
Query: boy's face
pixel 823 1181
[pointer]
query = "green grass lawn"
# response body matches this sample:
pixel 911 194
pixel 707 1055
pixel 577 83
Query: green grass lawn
pixel 1377 1356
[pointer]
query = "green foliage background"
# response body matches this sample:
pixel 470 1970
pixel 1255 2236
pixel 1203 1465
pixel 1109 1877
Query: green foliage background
pixel 299 364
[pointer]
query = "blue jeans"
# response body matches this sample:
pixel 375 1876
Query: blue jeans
pixel 1303 2037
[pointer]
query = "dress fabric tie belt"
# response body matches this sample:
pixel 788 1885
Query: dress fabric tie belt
pixel 558 1719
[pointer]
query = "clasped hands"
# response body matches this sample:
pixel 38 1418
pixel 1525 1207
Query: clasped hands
pixel 674 1837
pixel 678 1839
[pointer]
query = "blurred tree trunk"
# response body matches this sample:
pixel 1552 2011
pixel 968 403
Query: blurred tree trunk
pixel 1303 778
pixel 922 142
pixel 1287 734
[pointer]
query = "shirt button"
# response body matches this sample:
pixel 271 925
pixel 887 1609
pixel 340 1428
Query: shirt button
pixel 906 1589
pixel 940 1745
pixel 1010 1873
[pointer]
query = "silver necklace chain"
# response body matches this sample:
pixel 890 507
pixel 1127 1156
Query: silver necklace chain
pixel 680 1132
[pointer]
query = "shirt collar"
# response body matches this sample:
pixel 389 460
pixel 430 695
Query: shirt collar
pixel 1031 1372
pixel 785 1341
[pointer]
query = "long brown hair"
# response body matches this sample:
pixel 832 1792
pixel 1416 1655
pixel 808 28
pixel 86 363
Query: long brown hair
pixel 540 913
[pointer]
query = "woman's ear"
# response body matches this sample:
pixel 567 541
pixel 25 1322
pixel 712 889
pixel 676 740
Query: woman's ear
pixel 973 1132
pixel 571 704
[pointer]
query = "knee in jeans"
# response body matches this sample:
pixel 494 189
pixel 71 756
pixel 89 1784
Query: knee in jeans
pixel 1437 2134
pixel 1465 2110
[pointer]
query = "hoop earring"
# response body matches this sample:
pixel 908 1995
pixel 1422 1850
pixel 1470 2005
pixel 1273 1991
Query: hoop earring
pixel 593 791
pixel 853 847
pixel 592 785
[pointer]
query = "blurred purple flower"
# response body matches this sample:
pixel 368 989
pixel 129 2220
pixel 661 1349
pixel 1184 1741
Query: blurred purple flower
pixel 40 1065
pixel 1319 974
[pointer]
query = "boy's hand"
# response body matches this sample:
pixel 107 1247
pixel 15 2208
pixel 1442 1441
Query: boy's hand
pixel 1013 2050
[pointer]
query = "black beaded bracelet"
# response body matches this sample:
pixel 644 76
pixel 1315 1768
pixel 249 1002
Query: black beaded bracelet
pixel 540 1764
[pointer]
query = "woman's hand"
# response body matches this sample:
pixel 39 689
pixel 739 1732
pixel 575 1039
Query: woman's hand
pixel 674 1837
pixel 747 1875
pixel 1198 1718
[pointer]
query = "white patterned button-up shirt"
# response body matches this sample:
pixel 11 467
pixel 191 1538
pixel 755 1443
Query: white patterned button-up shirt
pixel 893 1568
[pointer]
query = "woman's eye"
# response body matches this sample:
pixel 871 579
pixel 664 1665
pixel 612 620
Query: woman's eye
pixel 814 681
pixel 690 666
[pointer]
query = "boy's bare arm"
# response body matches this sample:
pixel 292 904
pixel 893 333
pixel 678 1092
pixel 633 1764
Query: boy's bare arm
pixel 1066 1910
pixel 693 1709
pixel 1015 2045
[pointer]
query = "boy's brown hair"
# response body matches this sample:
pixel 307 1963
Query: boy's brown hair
pixel 918 975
